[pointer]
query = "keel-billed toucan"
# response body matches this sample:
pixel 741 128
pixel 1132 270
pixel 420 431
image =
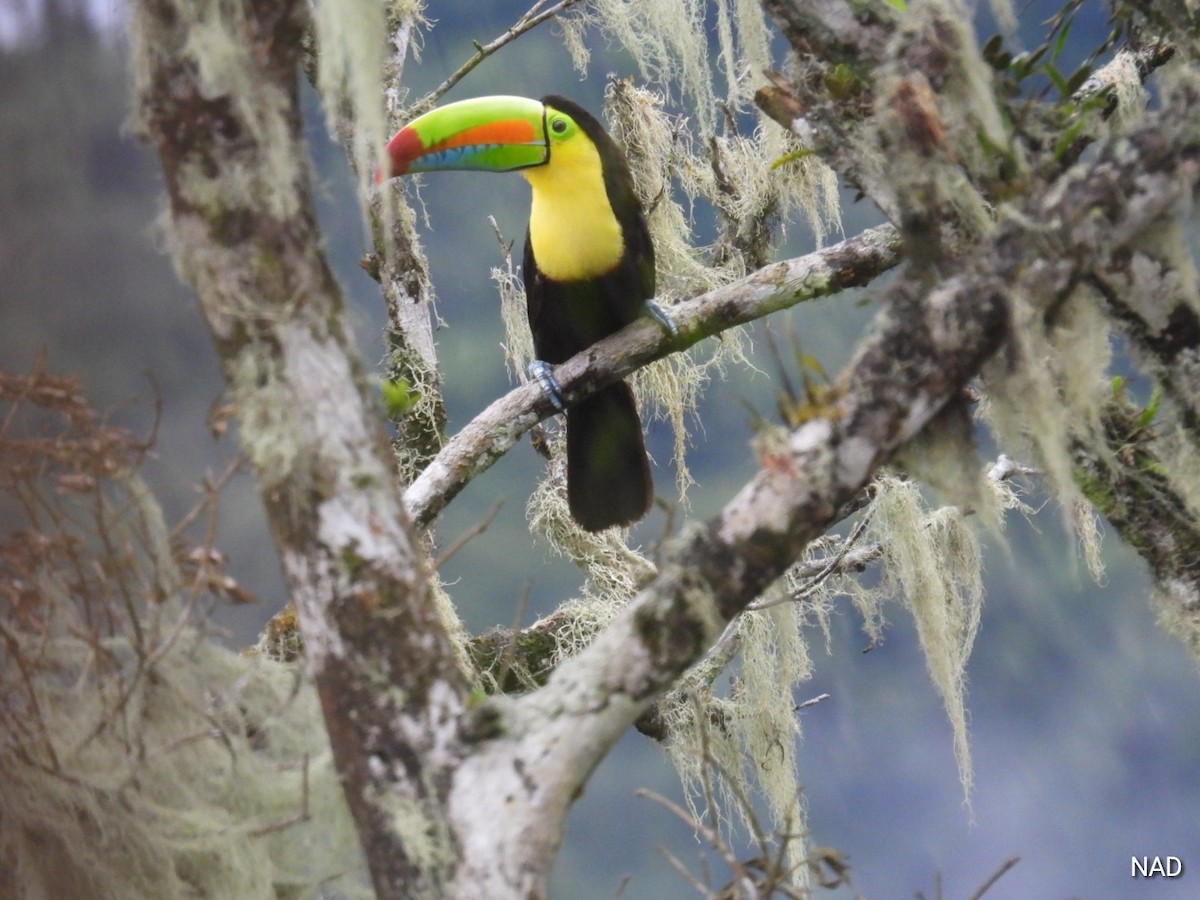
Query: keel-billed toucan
pixel 588 271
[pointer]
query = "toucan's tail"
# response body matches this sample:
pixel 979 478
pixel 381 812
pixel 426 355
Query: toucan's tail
pixel 608 472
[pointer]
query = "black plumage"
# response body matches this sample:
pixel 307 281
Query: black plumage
pixel 608 472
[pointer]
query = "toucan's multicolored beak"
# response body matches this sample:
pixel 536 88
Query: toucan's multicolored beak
pixel 491 134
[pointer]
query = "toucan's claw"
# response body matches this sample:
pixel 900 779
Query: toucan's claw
pixel 544 373
pixel 659 315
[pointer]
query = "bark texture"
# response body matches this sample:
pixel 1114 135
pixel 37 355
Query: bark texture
pixel 244 232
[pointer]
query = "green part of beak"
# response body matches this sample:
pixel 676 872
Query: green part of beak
pixel 491 134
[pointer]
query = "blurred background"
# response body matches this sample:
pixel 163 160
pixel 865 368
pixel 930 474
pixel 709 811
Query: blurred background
pixel 1085 719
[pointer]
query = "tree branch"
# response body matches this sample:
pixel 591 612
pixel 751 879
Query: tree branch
pixel 1148 284
pixel 535 751
pixel 532 17
pixel 398 262
pixel 1151 294
pixel 519 659
pixel 1129 484
pixel 529 756
pixel 245 235
pixel 828 94
pixel 492 433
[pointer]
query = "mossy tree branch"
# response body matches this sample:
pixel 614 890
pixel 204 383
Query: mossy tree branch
pixel 827 95
pixel 496 429
pixel 838 96
pixel 1156 304
pixel 926 345
pixel 1129 484
pixel 398 262
pixel 428 775
pixel 531 18
pixel 244 231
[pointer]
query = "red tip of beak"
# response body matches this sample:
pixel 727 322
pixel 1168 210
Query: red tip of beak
pixel 402 149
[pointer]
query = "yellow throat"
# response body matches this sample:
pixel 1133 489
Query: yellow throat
pixel 575 235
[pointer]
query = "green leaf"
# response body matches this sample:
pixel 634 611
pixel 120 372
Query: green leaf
pixel 1056 76
pixel 1157 468
pixel 1151 409
pixel 398 397
pixel 811 364
pixel 1067 138
pixel 1061 42
pixel 790 157
pixel 841 82
pixel 1024 63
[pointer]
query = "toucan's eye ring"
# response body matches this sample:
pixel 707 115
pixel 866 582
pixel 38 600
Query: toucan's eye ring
pixel 558 126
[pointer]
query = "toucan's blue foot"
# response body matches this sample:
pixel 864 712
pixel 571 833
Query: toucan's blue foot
pixel 659 315
pixel 543 372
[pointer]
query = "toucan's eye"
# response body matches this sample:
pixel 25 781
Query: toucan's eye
pixel 558 126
